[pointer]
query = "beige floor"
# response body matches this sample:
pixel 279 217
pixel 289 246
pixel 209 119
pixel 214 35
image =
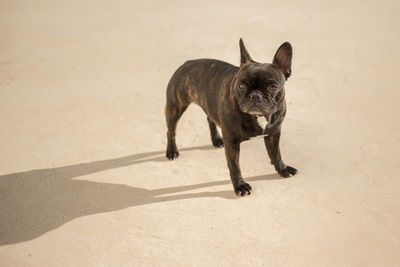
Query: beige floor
pixel 83 179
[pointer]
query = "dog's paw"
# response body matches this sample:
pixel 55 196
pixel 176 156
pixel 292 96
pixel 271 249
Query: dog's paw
pixel 243 190
pixel 287 171
pixel 173 154
pixel 218 142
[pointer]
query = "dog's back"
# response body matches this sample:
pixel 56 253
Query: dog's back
pixel 199 81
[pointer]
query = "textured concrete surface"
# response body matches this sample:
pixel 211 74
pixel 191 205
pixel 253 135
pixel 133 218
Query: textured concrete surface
pixel 83 178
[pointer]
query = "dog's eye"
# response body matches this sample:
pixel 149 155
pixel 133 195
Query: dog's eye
pixel 273 87
pixel 242 86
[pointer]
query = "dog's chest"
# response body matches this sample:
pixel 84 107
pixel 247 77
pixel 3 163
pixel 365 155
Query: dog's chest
pixel 254 125
pixel 262 122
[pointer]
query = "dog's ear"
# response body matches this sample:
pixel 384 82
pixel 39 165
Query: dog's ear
pixel 244 55
pixel 283 58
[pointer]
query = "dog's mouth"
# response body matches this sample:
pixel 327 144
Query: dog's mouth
pixel 254 110
pixel 259 109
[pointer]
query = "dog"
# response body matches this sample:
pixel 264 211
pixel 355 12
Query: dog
pixel 233 99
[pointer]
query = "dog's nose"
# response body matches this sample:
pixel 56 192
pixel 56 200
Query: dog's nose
pixel 256 96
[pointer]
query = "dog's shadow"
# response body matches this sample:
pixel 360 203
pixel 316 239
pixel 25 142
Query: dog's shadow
pixel 37 201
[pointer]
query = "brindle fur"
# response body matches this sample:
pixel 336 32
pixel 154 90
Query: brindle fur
pixel 213 85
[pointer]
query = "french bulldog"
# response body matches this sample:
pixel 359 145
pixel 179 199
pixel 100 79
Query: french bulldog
pixel 233 99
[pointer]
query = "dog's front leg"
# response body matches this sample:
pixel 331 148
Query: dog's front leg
pixel 232 151
pixel 272 144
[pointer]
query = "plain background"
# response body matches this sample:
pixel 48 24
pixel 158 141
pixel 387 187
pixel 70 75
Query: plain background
pixel 83 178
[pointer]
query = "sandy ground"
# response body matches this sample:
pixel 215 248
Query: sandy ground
pixel 83 178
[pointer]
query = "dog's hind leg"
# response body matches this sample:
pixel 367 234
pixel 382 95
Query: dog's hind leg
pixel 173 111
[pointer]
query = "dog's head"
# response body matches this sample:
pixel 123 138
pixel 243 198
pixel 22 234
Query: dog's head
pixel 260 86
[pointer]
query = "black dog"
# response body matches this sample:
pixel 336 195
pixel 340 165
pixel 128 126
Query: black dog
pixel 233 97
